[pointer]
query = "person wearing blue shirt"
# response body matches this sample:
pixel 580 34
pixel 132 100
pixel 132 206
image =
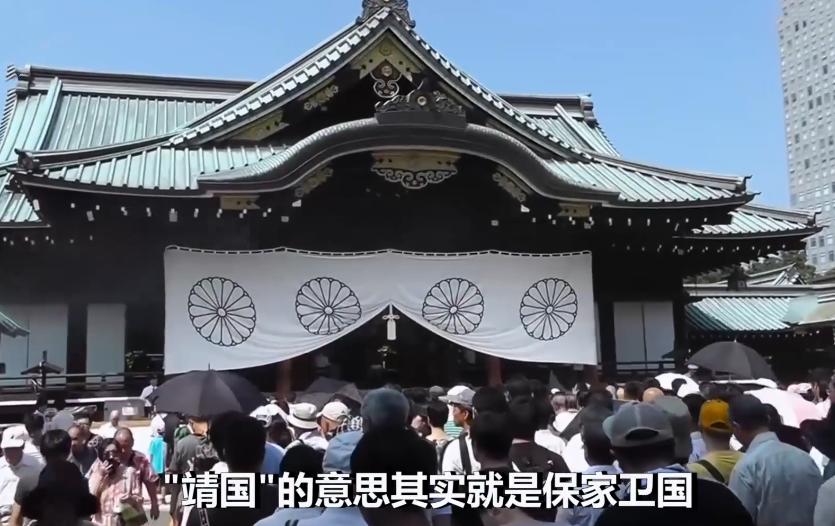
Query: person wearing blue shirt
pixel 273 454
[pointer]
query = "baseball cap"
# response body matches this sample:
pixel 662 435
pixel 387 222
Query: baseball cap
pixel 459 395
pixel 436 392
pixel 340 448
pixel 679 417
pixel 638 424
pixel 715 416
pixel 748 411
pixel 14 437
pixel 336 411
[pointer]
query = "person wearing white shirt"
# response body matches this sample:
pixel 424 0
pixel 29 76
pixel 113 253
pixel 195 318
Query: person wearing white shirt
pixel 14 465
pixel 303 420
pixel 147 392
pixel 565 406
pixel 29 444
pixel 452 461
pixel 108 429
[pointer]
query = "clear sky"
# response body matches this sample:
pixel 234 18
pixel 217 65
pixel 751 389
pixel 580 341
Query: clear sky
pixel 689 84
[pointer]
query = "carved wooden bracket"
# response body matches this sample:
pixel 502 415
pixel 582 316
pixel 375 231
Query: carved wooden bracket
pixel 238 202
pixel 321 98
pixel 508 183
pixel 263 127
pixel 415 169
pixel 313 181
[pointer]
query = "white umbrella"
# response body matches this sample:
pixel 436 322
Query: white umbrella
pixel 666 380
pixel 792 407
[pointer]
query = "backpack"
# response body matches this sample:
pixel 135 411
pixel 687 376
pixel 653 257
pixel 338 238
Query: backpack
pixel 539 461
pixel 711 469
pixel 464 451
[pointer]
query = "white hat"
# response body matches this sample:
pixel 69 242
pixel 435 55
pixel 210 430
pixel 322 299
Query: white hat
pixel 804 388
pixel 335 411
pixel 14 437
pixel 262 415
pixel 303 416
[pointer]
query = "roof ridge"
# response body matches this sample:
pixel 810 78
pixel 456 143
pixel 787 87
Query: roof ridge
pixel 220 109
pixel 69 75
pixel 562 114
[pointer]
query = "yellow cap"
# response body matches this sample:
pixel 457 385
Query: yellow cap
pixel 714 416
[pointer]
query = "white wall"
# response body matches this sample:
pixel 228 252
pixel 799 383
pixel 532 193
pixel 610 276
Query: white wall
pixel 644 331
pixel 47 325
pixel 105 340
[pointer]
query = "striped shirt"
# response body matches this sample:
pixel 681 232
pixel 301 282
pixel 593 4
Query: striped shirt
pixel 452 430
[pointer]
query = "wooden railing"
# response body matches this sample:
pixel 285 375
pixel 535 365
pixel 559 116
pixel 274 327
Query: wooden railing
pixel 76 382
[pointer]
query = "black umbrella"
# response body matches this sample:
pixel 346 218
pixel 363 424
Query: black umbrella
pixel 323 389
pixel 733 358
pixel 207 393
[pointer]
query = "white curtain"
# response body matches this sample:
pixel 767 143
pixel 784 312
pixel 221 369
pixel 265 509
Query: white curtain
pixel 244 309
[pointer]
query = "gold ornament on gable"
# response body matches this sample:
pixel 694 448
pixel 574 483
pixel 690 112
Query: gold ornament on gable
pixel 415 170
pixel 388 51
pixel 386 81
pixel 263 128
pixel 321 98
pixel 313 181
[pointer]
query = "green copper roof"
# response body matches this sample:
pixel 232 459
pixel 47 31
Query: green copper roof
pixel 15 208
pixel 161 168
pixel 578 133
pixel 92 120
pixel 637 185
pixel 284 84
pixel 757 219
pixel 738 314
pixel 8 327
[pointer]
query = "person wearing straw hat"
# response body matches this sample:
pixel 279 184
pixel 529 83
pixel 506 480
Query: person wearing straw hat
pixel 304 422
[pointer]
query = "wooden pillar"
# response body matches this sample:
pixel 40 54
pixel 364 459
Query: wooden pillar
pixel 494 371
pixel 590 375
pixel 682 343
pixel 608 351
pixel 284 379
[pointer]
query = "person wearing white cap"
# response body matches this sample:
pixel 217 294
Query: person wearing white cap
pixel 303 421
pixel 19 433
pixel 109 428
pixel 331 417
pixel 14 465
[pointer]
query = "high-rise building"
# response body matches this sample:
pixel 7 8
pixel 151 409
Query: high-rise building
pixel 807 53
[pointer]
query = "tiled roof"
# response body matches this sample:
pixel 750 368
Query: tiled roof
pixel 759 219
pixel 15 208
pixel 90 120
pixel 286 82
pixel 8 327
pixel 28 125
pixel 578 133
pixel 738 314
pixel 160 168
pixel 636 185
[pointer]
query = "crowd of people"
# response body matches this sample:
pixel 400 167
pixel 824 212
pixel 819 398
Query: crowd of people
pixel 750 468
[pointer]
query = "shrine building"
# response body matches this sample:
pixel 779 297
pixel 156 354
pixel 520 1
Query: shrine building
pixel 372 143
